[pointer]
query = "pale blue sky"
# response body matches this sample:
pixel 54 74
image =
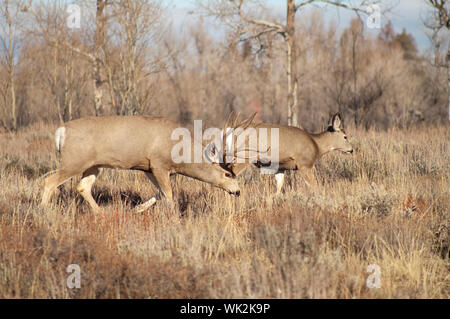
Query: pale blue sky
pixel 408 14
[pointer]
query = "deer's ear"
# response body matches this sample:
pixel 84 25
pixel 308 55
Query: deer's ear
pixel 211 153
pixel 336 122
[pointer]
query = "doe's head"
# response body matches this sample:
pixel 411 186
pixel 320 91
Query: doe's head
pixel 340 141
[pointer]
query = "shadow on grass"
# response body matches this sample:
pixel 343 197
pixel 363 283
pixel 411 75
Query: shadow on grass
pixel 103 197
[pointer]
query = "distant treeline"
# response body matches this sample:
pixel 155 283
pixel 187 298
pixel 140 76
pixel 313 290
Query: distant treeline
pixel 126 59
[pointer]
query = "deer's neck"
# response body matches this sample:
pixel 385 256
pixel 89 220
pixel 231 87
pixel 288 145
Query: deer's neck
pixel 194 170
pixel 323 141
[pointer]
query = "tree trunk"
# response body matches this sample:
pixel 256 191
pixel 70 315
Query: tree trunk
pixel 355 79
pixel 13 101
pixel 11 68
pixel 99 40
pixel 291 63
pixel 448 79
pixel 55 82
pixel 98 93
pixel 68 91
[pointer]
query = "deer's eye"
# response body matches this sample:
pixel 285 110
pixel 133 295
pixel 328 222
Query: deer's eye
pixel 228 175
pixel 345 136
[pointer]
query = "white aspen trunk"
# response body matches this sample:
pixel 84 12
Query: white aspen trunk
pixel 291 62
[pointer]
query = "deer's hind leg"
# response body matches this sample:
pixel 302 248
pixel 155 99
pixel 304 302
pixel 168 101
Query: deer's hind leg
pixel 85 187
pixel 53 181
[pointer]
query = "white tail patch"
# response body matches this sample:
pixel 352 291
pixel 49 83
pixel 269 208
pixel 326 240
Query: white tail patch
pixel 60 136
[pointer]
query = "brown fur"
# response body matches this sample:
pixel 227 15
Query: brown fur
pixel 129 142
pixel 299 150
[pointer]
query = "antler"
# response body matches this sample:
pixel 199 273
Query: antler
pixel 230 130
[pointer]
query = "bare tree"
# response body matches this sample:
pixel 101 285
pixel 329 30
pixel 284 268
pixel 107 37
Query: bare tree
pixel 441 12
pixel 229 10
pixel 99 41
pixel 52 36
pixel 174 73
pixel 440 20
pixel 11 20
pixel 358 83
pixel 129 56
pixel 93 54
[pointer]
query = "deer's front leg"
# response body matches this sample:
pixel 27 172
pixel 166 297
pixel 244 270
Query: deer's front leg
pixel 308 175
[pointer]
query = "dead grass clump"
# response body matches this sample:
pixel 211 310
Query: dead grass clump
pixel 375 199
pixel 15 165
pixel 441 243
pixel 334 167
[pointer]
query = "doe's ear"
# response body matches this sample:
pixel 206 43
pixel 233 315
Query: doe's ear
pixel 335 122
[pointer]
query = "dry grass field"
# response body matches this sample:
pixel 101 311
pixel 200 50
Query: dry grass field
pixel 387 204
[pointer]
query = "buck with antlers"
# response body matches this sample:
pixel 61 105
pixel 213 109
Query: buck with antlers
pixel 138 143
pixel 296 149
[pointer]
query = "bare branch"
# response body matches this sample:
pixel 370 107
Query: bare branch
pixel 272 25
pixel 442 11
pixel 338 3
pixel 86 55
pixel 302 4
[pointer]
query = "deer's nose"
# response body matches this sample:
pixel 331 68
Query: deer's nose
pixel 236 193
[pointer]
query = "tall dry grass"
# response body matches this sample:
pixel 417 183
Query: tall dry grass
pixel 388 204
